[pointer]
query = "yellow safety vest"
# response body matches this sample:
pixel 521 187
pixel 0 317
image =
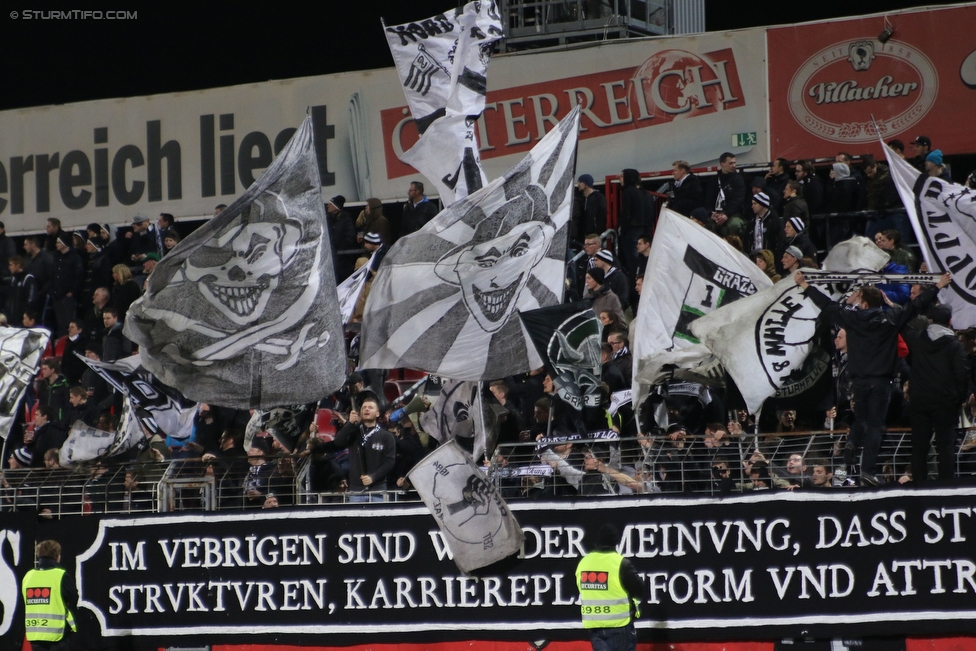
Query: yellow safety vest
pixel 603 601
pixel 44 606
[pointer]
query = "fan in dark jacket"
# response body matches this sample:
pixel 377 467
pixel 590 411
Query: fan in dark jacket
pixel 594 215
pixel 66 283
pixel 685 190
pixel 842 197
pixel 417 211
pixel 636 217
pixel 725 196
pixel 938 383
pixel 342 235
pixel 796 235
pixel 765 230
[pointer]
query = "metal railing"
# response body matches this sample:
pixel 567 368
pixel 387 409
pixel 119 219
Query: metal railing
pixel 550 469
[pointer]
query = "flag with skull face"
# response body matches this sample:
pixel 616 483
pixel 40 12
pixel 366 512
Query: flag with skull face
pixel 444 298
pixel 243 313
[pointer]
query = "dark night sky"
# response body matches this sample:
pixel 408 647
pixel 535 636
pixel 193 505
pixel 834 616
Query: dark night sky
pixel 170 48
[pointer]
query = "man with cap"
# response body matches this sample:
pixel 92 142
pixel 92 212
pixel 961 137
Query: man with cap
pixel 934 167
pixel 611 592
pixel 66 284
pixel 765 230
pixel 594 206
pixel 612 276
pixel 373 243
pixel 791 259
pixel 342 235
pixel 20 459
pixel 796 236
pixel 939 382
pixel 417 211
pixel 50 600
pixel 759 184
pixel 922 146
pixel 142 241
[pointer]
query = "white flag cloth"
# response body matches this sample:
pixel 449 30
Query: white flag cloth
pixel 690 273
pixel 20 357
pixel 243 313
pixel 943 216
pixel 766 341
pixel 168 412
pixel 349 289
pixel 444 298
pixel 459 411
pixel 477 525
pixel 85 443
pixel 618 399
pixel 442 62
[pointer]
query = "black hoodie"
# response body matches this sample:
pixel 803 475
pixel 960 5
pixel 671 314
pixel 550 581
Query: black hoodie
pixel 940 369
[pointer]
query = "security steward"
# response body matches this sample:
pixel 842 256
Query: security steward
pixel 50 599
pixel 611 592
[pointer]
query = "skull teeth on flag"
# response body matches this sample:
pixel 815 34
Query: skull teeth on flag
pixel 445 297
pixel 243 313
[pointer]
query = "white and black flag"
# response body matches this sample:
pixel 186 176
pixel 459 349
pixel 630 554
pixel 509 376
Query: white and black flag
pixel 477 525
pixel 21 350
pixel 162 408
pixel 460 413
pixel 243 313
pixel 767 341
pixel 442 63
pixel 444 298
pixel 943 216
pixel 690 273
pixel 86 443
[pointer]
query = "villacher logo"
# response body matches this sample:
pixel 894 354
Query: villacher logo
pixel 836 91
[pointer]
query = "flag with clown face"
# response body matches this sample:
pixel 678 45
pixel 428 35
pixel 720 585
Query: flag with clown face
pixel 444 299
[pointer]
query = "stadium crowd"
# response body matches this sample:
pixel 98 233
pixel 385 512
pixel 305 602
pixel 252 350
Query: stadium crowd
pixel 895 361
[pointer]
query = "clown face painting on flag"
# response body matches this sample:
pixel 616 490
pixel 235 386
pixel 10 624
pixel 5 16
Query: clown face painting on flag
pixel 444 299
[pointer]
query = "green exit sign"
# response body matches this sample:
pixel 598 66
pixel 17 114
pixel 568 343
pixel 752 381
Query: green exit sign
pixel 744 139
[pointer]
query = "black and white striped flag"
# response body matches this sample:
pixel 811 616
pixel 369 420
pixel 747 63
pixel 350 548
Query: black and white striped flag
pixel 444 298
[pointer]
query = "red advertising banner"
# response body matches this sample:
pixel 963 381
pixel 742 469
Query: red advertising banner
pixel 674 85
pixel 828 80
